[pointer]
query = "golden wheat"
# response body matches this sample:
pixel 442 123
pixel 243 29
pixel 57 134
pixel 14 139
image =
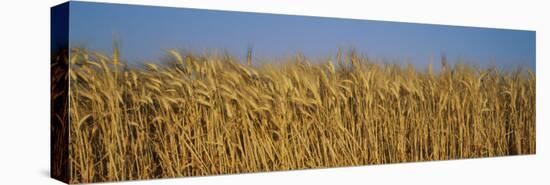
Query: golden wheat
pixel 206 115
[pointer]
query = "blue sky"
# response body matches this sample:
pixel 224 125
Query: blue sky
pixel 146 33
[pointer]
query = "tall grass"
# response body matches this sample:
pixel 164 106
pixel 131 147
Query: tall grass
pixel 213 114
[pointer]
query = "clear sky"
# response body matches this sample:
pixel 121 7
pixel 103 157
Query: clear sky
pixel 146 33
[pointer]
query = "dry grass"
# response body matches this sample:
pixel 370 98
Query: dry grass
pixel 205 115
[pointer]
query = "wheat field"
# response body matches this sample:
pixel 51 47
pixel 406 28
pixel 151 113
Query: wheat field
pixel 199 114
